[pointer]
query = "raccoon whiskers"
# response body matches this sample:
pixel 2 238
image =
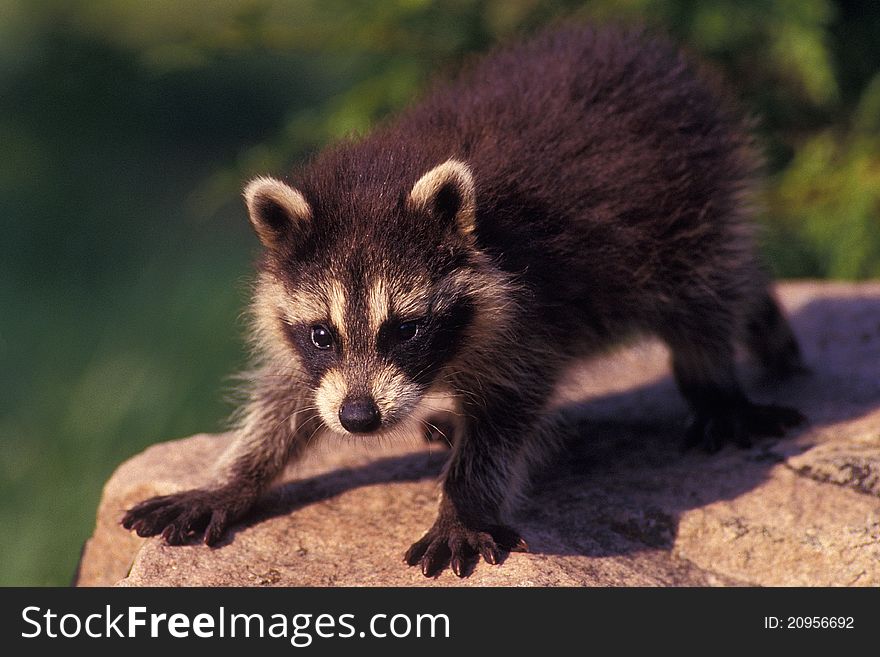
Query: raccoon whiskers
pixel 297 412
pixel 316 430
pixel 429 425
pixel 443 410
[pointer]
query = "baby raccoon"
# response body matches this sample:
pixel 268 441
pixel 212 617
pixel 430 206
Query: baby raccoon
pixel 557 198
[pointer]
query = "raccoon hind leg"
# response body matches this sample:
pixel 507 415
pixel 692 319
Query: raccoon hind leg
pixel 770 340
pixel 704 368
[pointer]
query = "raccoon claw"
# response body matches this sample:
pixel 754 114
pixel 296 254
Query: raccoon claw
pixel 739 425
pixel 461 548
pixel 180 517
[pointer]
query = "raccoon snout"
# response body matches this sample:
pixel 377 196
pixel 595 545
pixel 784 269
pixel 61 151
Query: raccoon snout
pixel 360 415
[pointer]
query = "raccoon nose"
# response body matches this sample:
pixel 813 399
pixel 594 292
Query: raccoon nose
pixel 359 415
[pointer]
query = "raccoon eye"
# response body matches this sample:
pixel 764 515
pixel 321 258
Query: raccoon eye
pixel 407 331
pixel 321 337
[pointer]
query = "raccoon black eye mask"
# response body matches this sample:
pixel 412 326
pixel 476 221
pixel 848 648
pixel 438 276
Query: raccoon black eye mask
pixel 557 197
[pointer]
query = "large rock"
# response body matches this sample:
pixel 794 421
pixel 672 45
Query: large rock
pixel 621 506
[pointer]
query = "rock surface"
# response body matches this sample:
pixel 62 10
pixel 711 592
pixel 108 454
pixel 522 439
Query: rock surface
pixel 622 506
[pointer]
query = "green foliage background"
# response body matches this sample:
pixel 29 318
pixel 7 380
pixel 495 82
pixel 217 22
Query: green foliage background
pixel 127 129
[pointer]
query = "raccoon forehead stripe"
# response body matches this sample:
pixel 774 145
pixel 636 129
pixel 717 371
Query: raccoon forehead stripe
pixel 336 306
pixel 377 304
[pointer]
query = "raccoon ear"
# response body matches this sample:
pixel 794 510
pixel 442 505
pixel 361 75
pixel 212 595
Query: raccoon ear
pixel 447 191
pixel 274 208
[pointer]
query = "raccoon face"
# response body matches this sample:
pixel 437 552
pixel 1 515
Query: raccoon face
pixel 372 302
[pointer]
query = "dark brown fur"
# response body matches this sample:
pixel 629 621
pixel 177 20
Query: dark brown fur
pixel 612 186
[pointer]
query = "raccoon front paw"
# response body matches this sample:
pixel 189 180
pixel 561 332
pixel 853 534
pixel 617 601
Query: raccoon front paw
pixel 184 516
pixel 739 424
pixel 450 542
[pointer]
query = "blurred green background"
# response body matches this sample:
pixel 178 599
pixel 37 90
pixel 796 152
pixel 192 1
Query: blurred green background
pixel 127 129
